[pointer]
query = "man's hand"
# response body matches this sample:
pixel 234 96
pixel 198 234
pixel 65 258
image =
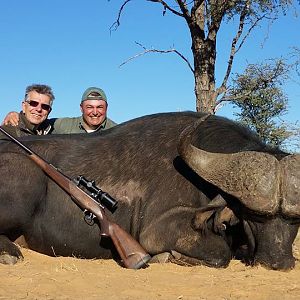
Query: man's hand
pixel 12 118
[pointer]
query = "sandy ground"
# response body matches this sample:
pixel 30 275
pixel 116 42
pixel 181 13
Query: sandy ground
pixel 43 277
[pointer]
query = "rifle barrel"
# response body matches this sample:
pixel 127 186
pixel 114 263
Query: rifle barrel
pixel 29 151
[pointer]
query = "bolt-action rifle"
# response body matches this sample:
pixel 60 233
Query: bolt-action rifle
pixel 132 254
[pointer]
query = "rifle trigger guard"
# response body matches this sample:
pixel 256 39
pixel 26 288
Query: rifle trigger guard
pixel 89 217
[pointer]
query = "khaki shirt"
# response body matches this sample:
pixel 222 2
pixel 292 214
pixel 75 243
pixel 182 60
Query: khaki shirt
pixel 74 125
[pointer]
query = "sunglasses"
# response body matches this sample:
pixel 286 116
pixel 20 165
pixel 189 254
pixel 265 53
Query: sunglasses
pixel 34 103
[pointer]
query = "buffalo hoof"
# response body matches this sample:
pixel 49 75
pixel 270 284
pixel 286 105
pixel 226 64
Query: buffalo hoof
pixel 161 258
pixel 9 252
pixel 8 259
pixel 184 260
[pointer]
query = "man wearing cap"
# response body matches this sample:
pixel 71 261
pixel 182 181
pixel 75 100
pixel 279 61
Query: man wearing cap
pixel 94 109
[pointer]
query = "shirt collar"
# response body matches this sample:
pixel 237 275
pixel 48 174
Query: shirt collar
pixel 100 127
pixel 40 129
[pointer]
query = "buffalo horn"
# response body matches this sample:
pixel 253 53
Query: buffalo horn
pixel 291 185
pixel 252 177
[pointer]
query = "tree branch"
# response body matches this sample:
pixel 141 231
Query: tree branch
pixel 254 24
pixel 117 23
pixel 167 7
pixel 157 51
pixel 243 15
pixel 197 4
pixel 217 14
pixel 184 9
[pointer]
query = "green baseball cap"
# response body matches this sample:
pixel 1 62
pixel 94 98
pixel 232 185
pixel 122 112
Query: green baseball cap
pixel 93 93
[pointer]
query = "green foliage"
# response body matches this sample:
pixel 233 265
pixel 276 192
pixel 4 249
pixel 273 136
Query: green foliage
pixel 256 7
pixel 259 96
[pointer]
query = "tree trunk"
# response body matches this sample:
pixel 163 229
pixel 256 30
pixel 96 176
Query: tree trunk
pixel 205 93
pixel 204 52
pixel 204 72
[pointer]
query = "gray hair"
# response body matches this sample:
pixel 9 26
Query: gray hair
pixel 41 89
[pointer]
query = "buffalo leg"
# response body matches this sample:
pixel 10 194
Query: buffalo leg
pixel 9 252
pixel 20 197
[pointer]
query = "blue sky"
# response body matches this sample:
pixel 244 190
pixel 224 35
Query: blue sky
pixel 68 45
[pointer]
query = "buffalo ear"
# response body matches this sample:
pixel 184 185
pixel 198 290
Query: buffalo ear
pixel 201 219
pixel 218 212
pixel 224 218
pixel 203 215
pixel 290 185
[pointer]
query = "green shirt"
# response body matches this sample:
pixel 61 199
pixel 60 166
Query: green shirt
pixel 25 128
pixel 74 125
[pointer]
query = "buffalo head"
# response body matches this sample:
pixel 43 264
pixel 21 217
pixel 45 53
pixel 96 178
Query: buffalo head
pixel 263 190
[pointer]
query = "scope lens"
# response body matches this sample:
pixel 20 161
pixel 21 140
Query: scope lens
pixel 109 202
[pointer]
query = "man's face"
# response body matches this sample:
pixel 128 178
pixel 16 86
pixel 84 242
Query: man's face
pixel 36 107
pixel 93 112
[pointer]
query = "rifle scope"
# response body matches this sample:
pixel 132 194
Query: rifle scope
pixel 102 197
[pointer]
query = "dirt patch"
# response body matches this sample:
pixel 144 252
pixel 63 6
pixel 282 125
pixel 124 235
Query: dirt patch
pixel 43 277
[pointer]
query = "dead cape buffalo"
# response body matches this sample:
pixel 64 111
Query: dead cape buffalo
pixel 218 193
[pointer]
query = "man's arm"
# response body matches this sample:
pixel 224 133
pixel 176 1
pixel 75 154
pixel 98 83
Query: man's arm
pixel 60 125
pixel 12 118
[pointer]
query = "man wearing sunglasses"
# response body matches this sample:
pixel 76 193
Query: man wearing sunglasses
pixel 36 107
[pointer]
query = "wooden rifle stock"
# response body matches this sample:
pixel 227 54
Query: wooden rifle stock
pixel 130 251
